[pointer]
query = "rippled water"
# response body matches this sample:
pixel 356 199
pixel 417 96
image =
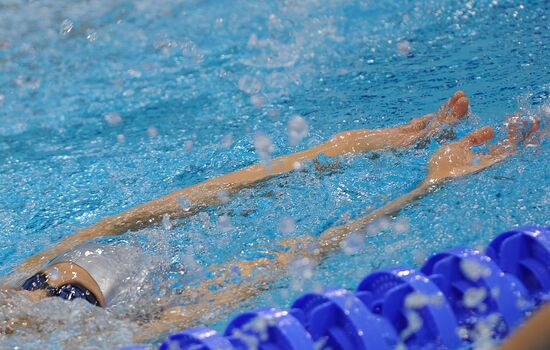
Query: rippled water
pixel 107 104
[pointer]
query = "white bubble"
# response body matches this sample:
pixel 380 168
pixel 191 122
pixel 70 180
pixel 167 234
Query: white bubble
pixel 152 132
pixel 249 84
pixel 205 219
pixel 473 297
pixel 353 244
pixel 297 129
pixel 184 203
pixel 223 196
pixel 1 99
pixel 134 73
pixel 166 223
pixel 414 324
pixel 66 27
pixel 264 147
pixel 287 225
pixel 404 48
pixel 224 224
pixel 120 138
pixel 113 118
pixel 473 270
pixel 257 100
pixel 252 40
pixel 227 140
pixel 299 271
pixel 416 300
pixel 188 145
pixel 401 225
pixel 91 35
pixel 54 273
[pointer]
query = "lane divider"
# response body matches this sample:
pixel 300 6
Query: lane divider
pixel 441 306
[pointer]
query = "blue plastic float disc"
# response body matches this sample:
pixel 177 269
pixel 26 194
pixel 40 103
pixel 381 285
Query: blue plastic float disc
pixel 337 319
pixel 268 329
pixel 477 288
pixel 414 305
pixel 198 338
pixel 525 253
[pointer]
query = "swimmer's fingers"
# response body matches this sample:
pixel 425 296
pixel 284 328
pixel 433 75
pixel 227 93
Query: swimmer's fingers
pixel 517 131
pixel 476 161
pixel 476 137
pixel 456 96
pixel 454 109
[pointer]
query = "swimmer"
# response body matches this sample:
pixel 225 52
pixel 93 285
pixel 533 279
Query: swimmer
pixel 450 161
pixel 208 192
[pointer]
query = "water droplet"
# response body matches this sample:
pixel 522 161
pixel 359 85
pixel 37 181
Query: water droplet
pixel 264 147
pixel 257 100
pixel 297 129
pixel 120 138
pixel 188 145
pixel 224 224
pixel 227 140
pixel 287 225
pixel 404 48
pixel 184 203
pixel 166 223
pixel 134 73
pixel 223 196
pixel 66 27
pixel 249 84
pixel 205 219
pixel 53 273
pixel 113 118
pixel 416 300
pixel 152 132
pixel 91 35
pixel 401 225
pixel 353 244
pixel 473 297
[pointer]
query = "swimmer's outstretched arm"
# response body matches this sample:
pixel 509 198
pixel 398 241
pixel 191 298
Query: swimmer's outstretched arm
pixel 453 160
pixel 208 192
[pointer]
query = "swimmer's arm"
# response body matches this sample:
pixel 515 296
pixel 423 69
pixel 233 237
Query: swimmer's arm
pixel 450 161
pixel 255 276
pixel 208 192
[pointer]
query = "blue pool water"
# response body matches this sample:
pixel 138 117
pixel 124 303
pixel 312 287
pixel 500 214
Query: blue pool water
pixel 107 104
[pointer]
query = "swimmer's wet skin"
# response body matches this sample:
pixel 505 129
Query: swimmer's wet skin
pixel 450 161
pixel 207 193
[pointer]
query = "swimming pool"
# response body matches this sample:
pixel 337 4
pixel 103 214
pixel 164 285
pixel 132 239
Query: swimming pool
pixel 105 105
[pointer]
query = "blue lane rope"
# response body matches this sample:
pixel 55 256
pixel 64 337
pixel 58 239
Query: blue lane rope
pixel 437 307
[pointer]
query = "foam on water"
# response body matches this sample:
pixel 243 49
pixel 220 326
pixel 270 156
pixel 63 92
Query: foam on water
pixel 108 104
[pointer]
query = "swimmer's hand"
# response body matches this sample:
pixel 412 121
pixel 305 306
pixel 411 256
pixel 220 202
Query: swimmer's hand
pixel 449 113
pixel 457 158
pixel 363 140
